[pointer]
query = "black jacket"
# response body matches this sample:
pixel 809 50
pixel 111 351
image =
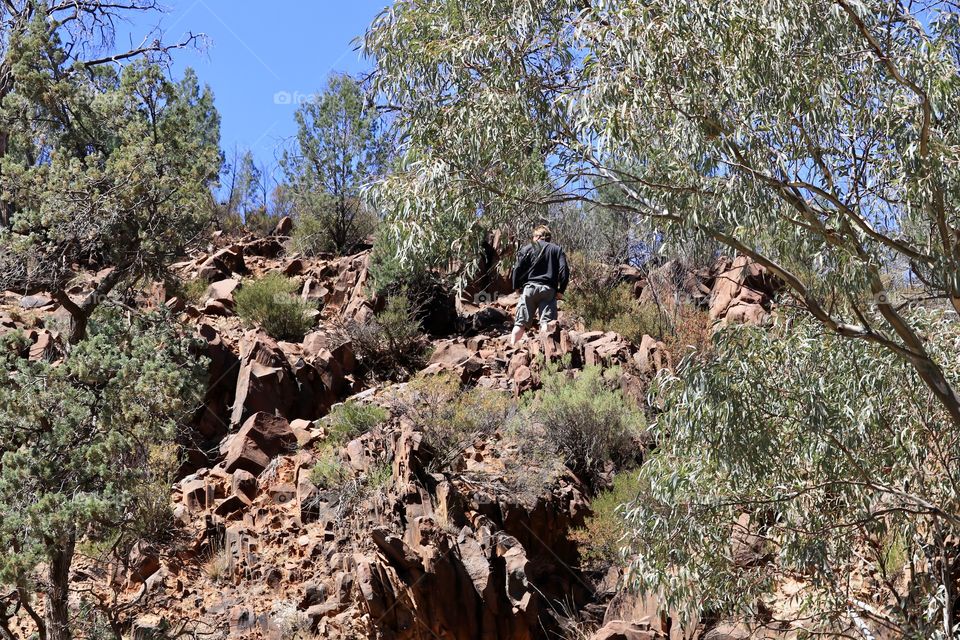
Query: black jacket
pixel 541 263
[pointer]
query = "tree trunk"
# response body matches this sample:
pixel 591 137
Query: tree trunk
pixel 57 608
pixel 78 317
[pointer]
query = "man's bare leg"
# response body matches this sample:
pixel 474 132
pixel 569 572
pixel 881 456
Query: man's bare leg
pixel 517 334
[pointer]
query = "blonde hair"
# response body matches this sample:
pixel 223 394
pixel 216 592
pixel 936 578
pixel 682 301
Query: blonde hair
pixel 542 233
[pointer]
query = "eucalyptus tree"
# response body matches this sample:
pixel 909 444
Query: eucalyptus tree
pixel 340 148
pixel 821 139
pixel 831 468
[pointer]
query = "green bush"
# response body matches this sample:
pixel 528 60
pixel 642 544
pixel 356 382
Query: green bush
pixel 380 477
pixel 603 534
pixel 585 419
pixel 190 291
pixel 451 417
pixel 391 345
pixel 152 512
pixel 309 236
pixel 76 440
pixel 830 434
pixel 312 233
pixel 616 309
pixel 351 419
pixel 272 302
pixel 329 472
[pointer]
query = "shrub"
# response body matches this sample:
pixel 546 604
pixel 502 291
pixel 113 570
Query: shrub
pixel 76 439
pixel 585 419
pixel 219 564
pixel 451 417
pixel 615 309
pixel 391 345
pixel 272 302
pixel 351 419
pixel 190 291
pixel 691 332
pixel 309 237
pixel 152 515
pixel 603 534
pixel 380 477
pixel 312 232
pixel 329 472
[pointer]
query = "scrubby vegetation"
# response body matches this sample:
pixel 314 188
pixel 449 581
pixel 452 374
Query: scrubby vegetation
pixel 390 345
pixel 847 444
pixel 329 472
pixel 79 444
pixel 450 416
pixel 586 420
pixel 346 422
pixel 605 535
pixel 605 308
pixel 273 303
pixel 819 140
pixel 190 291
pixel 350 419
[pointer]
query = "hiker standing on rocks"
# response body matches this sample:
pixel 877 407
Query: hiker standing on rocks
pixel 540 274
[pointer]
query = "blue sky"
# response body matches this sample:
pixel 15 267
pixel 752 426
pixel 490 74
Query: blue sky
pixel 263 58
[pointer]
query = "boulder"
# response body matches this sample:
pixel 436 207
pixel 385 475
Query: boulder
pixel 245 483
pixel 222 291
pixel 35 302
pixel 743 293
pixel 45 346
pixel 143 561
pixel 261 438
pixel 265 381
pixel 652 356
pixel 223 264
pixel 283 227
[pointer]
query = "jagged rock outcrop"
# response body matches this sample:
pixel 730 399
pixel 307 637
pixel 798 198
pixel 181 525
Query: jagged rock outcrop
pixel 743 292
pixel 400 550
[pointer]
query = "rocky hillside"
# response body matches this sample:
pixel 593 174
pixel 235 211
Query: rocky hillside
pixel 400 546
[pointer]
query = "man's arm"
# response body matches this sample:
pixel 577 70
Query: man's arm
pixel 520 269
pixel 564 273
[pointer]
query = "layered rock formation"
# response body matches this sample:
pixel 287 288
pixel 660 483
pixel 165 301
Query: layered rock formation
pixel 400 551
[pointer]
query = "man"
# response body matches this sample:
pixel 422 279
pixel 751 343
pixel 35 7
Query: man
pixel 540 274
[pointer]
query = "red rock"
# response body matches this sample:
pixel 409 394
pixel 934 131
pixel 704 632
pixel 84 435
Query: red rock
pixel 283 227
pixel 265 381
pixel 144 561
pixel 652 356
pixel 742 293
pixel 196 494
pixel 223 264
pixel 45 346
pixel 244 482
pixel 620 630
pixel 222 291
pixel 262 437
pixel 216 308
pixel 282 494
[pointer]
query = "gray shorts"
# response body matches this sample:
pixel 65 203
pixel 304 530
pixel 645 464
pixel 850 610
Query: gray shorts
pixel 536 298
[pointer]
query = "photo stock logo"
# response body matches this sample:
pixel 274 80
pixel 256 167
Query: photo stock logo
pixel 884 298
pixel 294 98
pixel 485 297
